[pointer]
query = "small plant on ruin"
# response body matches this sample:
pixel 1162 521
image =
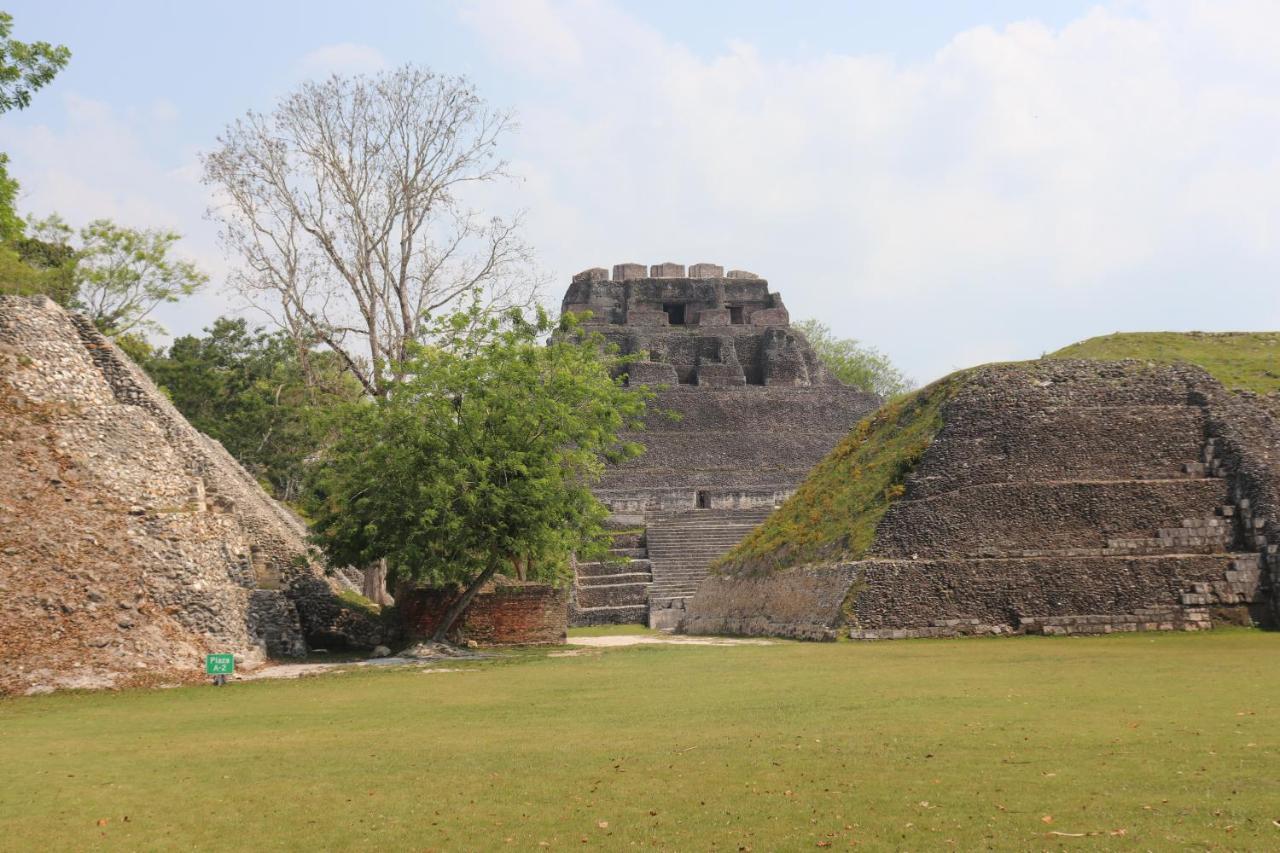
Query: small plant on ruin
pixel 480 460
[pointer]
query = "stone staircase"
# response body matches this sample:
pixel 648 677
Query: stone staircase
pixel 681 547
pixel 614 591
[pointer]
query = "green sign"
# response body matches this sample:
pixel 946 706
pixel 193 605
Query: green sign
pixel 219 664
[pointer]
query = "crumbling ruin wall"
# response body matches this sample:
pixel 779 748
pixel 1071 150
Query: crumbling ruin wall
pixel 505 614
pixel 805 603
pixel 1066 497
pixel 132 544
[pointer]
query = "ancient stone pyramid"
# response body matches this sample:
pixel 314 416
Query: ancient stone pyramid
pixel 130 543
pixel 1057 497
pixel 746 408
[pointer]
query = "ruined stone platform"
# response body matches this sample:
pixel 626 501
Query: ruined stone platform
pixel 743 410
pixel 1058 498
pixel 130 543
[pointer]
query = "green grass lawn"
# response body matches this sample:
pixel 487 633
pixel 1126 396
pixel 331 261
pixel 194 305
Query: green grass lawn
pixel 1137 741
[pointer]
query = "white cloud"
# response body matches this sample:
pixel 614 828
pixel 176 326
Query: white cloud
pixel 343 58
pixel 98 163
pixel 1024 186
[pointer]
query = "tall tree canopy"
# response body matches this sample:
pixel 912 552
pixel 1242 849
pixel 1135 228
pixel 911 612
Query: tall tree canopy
pixel 250 390
pixel 114 274
pixel 346 207
pixel 25 66
pixel 480 459
pixel 853 363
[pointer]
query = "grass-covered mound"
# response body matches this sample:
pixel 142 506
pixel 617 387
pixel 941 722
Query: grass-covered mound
pixel 834 513
pixel 1242 361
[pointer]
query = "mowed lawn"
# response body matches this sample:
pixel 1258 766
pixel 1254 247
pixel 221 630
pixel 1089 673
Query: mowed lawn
pixel 1120 742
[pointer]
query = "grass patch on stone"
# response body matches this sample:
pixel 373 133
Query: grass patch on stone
pixel 1242 361
pixel 834 512
pixel 1118 742
pixel 358 601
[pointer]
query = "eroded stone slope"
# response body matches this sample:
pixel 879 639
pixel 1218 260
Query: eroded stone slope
pixel 130 544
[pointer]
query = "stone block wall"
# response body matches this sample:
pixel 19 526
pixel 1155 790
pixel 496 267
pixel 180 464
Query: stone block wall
pixel 499 615
pixel 802 604
pixel 1061 497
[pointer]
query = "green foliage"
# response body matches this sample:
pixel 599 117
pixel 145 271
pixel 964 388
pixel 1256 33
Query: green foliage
pixel 1246 361
pixel 834 513
pixel 11 224
pixel 39 263
pixel 482 456
pixel 251 391
pixel 855 364
pixel 359 602
pixel 122 274
pixel 25 67
pixel 32 265
pixel 116 275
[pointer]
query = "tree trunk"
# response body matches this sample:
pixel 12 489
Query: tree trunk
pixel 460 606
pixel 375 584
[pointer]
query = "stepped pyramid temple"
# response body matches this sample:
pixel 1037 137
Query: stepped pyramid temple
pixel 1052 497
pixel 744 411
pixel 130 543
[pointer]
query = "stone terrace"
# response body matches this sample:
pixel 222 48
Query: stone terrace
pixel 744 408
pixel 1060 497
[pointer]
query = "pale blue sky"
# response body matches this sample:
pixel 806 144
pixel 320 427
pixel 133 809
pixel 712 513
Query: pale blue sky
pixel 952 182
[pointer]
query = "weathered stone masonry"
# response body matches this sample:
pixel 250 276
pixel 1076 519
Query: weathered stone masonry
pixel 502 614
pixel 155 521
pixel 1060 497
pixel 745 409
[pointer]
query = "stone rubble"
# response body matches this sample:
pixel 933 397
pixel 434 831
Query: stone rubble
pixel 130 543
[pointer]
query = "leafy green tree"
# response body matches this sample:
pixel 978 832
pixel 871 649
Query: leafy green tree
pixel 25 67
pixel 854 364
pixel 11 224
pixel 35 264
pixel 480 459
pixel 122 274
pixel 249 390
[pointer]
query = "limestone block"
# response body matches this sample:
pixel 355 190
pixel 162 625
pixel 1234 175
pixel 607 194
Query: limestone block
pixel 622 272
pixel 651 373
pixel 593 274
pixel 706 271
pixel 666 270
pixel 771 317
pixel 714 317
pixel 646 317
pixel 741 274
pixel 721 375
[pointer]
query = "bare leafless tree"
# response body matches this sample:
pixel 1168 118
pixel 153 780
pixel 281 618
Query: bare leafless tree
pixel 345 206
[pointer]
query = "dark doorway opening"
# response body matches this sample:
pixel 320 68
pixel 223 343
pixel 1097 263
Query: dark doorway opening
pixel 675 313
pixel 735 315
pixel 704 500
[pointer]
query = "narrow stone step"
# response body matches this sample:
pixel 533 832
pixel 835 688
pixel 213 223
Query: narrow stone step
pixel 586 570
pixel 615 580
pixel 583 617
pixel 617 595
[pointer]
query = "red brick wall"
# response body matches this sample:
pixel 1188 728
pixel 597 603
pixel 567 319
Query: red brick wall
pixel 512 614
